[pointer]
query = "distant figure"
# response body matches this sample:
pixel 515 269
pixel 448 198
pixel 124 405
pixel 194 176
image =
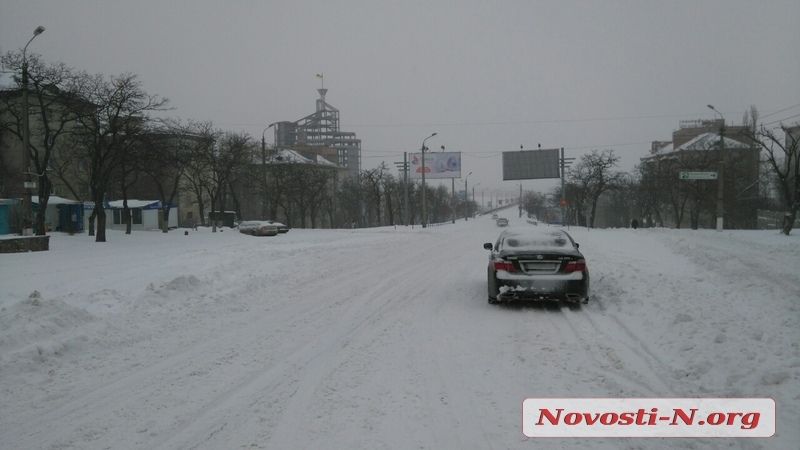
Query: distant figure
pixel 634 224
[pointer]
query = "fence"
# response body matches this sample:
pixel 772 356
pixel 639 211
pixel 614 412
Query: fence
pixel 770 220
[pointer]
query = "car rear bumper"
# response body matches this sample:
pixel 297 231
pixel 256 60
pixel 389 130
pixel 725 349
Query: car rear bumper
pixel 542 290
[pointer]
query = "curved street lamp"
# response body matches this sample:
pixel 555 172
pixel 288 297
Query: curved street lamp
pixel 264 200
pixel 466 196
pixel 424 197
pixel 473 191
pixel 27 221
pixel 720 198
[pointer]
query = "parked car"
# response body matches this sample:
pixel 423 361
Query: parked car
pixel 494 216
pixel 502 222
pixel 536 264
pixel 281 227
pixel 258 228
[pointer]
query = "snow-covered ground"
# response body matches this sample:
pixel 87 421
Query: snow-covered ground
pixel 380 338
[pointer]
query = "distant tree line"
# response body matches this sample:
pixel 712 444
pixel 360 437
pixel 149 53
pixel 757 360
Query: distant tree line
pixel 101 138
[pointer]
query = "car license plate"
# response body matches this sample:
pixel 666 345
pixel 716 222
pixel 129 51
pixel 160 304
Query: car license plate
pixel 540 266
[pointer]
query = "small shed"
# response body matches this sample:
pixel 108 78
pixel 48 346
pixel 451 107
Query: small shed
pixel 145 215
pixel 223 218
pixel 7 206
pixel 61 214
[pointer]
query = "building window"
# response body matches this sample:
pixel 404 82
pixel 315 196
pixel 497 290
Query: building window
pixel 83 189
pixel 136 216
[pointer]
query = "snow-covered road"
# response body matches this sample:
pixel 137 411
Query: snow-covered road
pixel 380 338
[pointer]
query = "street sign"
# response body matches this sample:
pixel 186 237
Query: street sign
pixel 698 175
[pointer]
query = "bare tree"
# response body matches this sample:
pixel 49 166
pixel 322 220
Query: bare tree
pixel 349 197
pixel 109 129
pixel 169 151
pixel 224 159
pixel 374 181
pixel 593 176
pixel 782 153
pixel 53 106
pixel 198 171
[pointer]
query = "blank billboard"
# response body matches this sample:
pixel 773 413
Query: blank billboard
pixel 531 164
pixel 437 165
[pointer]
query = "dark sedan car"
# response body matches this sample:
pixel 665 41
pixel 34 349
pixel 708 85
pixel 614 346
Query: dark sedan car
pixel 537 264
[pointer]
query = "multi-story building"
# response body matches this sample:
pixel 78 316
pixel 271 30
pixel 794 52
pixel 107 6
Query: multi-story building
pixel 319 133
pixel 704 146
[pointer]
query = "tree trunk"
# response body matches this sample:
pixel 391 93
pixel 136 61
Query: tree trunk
pixel 44 197
pixel 100 214
pixel 127 218
pixel 165 214
pixel 788 220
pixel 92 218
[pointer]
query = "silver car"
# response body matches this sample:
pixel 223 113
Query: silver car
pixel 258 228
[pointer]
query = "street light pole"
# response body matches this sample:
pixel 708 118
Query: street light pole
pixel 27 222
pixel 466 196
pixel 424 196
pixel 405 183
pixel 720 198
pixel 473 191
pixel 264 202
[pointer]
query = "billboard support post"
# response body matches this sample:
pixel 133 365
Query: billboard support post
pixel 424 196
pixel 563 195
pixel 405 194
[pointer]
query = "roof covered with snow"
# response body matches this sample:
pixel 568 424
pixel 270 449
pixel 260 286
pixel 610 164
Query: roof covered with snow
pixel 55 200
pixel 710 141
pixel 286 156
pixel 143 204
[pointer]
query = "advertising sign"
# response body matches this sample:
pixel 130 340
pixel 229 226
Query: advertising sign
pixel 531 164
pixel 437 165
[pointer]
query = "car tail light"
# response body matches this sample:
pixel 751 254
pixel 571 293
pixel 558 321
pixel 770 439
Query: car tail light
pixel 508 266
pixel 575 266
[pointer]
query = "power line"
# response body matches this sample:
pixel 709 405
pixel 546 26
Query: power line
pixel 781 120
pixel 524 122
pixel 778 112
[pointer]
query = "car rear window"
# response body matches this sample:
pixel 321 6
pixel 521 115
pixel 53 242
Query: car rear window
pixel 535 242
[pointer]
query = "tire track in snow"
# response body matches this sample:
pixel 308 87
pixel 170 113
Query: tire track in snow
pixel 353 311
pixel 397 304
pixel 155 382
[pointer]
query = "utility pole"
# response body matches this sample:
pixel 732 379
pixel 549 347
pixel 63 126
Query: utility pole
pixel 720 197
pixel 404 168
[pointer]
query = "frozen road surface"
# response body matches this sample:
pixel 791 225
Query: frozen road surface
pixel 381 338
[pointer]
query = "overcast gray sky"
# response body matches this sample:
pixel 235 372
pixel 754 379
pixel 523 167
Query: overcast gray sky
pixel 487 76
